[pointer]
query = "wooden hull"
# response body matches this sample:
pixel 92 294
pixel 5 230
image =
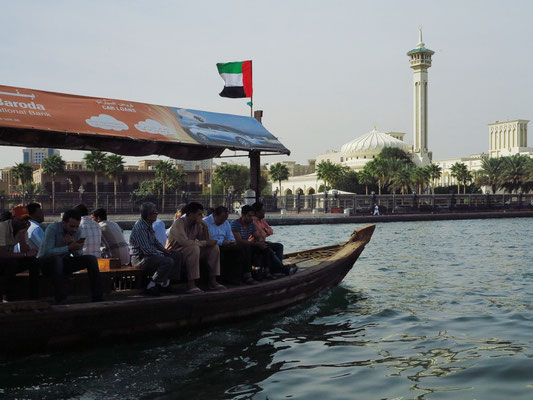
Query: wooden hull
pixel 53 327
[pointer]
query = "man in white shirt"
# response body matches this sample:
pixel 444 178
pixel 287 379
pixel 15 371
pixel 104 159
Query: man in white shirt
pixel 90 230
pixel 35 232
pixel 113 243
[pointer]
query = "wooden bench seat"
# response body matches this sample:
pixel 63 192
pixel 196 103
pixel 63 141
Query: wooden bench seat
pixel 113 279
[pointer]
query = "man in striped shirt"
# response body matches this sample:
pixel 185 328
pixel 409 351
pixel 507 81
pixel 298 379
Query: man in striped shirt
pixel 244 228
pixel 148 253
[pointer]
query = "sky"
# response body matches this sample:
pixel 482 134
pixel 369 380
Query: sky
pixel 325 72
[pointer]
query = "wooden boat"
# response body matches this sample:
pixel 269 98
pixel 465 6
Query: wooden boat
pixel 38 326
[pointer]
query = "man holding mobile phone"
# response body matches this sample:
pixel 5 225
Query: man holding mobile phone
pixel 61 254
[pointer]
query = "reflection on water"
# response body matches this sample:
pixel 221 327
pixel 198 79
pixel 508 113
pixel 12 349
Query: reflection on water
pixel 432 310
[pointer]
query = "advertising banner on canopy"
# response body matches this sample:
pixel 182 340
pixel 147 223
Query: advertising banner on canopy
pixel 30 109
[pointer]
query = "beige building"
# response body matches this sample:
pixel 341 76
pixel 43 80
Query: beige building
pixel 76 175
pixel 506 138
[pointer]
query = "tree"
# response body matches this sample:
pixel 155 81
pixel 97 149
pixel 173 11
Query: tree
pixel 175 179
pixel 279 172
pixel 348 181
pixel 435 172
pixel 164 171
pixel 95 161
pixel 394 153
pixel 378 167
pixel 330 172
pixel 113 168
pixel 515 171
pixel 402 179
pixel 53 165
pixel 491 173
pixel 420 176
pixel 234 175
pixel 460 173
pixel 23 173
pixel 365 178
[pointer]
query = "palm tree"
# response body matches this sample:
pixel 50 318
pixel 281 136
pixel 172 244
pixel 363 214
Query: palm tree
pixel 176 179
pixel 95 161
pixel 364 177
pixel 279 172
pixel 329 172
pixel 421 176
pixel 514 174
pixel 379 170
pixel 393 165
pixel 491 173
pixel 53 165
pixel 458 171
pixel 435 172
pixel 403 179
pixel 163 171
pixel 23 173
pixel 113 168
pixel 529 175
pixel 465 177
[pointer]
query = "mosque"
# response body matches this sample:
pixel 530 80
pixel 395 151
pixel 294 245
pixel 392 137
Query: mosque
pixel 505 138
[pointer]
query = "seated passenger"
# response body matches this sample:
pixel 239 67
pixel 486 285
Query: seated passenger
pixel 61 255
pixel 35 231
pixel 244 228
pixel 190 237
pixel 90 230
pixel 235 258
pixel 148 254
pixel 179 213
pixel 160 232
pixel 276 253
pixel 12 232
pixel 113 243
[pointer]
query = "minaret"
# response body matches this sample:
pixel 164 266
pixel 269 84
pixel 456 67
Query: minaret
pixel 420 59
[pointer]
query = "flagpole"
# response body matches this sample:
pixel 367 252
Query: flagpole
pixel 252 106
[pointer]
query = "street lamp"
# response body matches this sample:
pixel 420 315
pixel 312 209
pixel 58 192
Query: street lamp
pixel 230 194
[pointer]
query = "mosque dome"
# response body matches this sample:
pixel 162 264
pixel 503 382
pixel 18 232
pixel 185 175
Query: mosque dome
pixel 372 143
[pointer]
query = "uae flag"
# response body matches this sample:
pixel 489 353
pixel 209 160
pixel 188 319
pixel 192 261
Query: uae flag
pixel 237 79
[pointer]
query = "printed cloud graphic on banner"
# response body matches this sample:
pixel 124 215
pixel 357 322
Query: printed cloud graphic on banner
pixel 104 121
pixel 151 126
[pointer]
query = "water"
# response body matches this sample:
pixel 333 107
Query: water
pixel 432 310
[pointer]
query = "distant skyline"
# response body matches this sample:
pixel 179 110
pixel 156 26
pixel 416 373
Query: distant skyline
pixel 324 73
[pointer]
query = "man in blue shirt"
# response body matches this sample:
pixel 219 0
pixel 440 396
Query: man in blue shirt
pixel 148 253
pixel 60 252
pixel 235 258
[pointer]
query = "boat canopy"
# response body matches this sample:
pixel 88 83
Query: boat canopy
pixel 36 118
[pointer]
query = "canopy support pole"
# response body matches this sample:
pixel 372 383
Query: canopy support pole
pixel 255 163
pixel 255 172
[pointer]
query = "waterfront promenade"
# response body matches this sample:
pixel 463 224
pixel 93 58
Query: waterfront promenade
pixel 126 221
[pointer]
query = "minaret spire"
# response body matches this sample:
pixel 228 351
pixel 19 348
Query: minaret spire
pixel 420 42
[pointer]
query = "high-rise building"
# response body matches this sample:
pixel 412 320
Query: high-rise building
pixel 420 58
pixel 35 156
